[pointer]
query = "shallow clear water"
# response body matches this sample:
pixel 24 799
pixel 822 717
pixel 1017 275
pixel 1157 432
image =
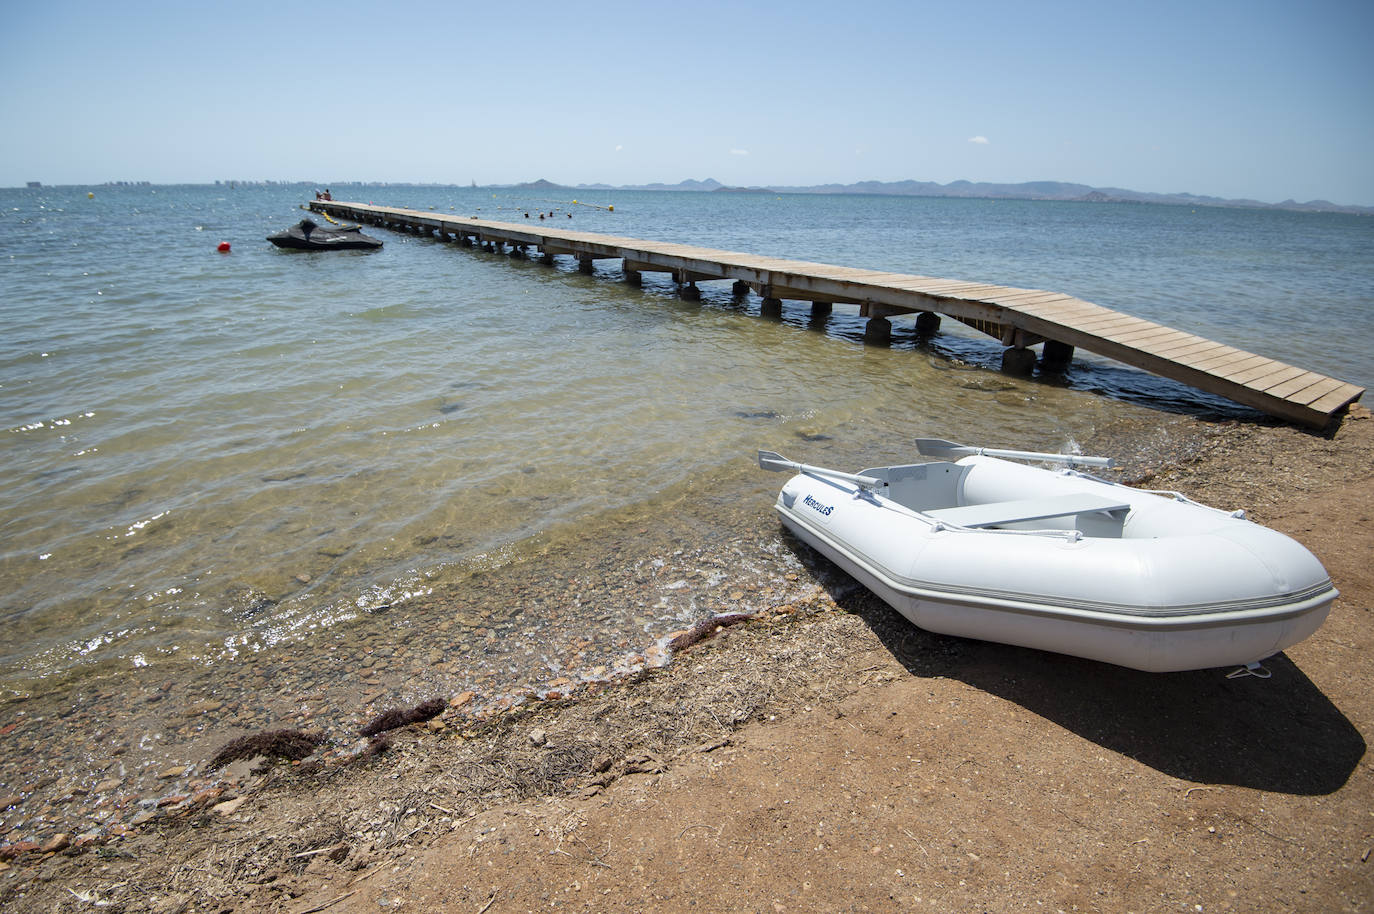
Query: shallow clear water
pixel 205 455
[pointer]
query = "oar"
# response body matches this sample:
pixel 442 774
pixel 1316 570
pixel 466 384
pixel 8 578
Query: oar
pixel 778 463
pixel 938 447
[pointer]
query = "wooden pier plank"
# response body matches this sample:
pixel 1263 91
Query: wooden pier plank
pixel 1221 360
pixel 1104 323
pixel 1339 398
pixel 1283 390
pixel 1201 354
pixel 1141 335
pixel 1160 344
pixel 1043 308
pixel 1266 376
pixel 1027 299
pixel 1316 390
pixel 1293 389
pixel 1241 366
pixel 937 287
pixel 1190 343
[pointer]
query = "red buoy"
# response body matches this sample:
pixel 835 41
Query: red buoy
pixel 223 247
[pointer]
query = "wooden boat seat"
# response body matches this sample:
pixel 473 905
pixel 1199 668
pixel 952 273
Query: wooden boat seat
pixel 998 513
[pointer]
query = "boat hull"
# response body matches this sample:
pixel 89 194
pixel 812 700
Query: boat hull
pixel 307 236
pixel 1223 592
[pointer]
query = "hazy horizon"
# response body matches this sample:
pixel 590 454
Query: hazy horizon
pixel 1258 100
pixel 652 185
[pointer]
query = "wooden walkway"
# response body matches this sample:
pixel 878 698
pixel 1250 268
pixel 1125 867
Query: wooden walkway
pixel 1019 318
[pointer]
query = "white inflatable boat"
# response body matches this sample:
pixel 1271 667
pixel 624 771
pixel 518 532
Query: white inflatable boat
pixel 1059 560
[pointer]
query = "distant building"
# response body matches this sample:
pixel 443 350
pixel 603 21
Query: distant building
pixel 35 184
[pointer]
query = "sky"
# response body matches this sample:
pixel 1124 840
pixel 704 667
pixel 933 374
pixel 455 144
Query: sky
pixel 1230 98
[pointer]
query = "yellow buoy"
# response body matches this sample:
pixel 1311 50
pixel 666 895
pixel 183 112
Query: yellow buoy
pixel 611 208
pixel 90 195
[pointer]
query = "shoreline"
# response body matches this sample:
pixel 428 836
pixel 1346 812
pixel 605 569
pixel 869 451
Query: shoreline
pixel 559 612
pixel 826 645
pixel 573 605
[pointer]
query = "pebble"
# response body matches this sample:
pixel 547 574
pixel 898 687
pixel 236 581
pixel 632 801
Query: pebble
pixel 201 797
pixel 56 843
pixel 228 807
pixel 10 851
pixel 538 737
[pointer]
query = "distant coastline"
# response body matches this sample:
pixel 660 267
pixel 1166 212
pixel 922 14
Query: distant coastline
pixel 982 190
pixel 1030 190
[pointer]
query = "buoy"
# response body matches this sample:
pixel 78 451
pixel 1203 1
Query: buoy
pixel 611 208
pixel 90 195
pixel 223 247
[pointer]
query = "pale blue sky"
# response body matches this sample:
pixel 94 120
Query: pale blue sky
pixel 1233 98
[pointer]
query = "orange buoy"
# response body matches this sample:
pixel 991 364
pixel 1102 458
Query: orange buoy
pixel 223 247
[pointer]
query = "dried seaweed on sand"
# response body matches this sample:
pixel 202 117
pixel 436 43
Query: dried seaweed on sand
pixel 399 717
pixel 287 744
pixel 705 629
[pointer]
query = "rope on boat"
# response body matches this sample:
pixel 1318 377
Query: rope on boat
pixel 1239 513
pixel 1250 669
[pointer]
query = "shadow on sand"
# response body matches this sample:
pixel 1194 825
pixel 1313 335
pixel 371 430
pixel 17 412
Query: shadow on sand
pixel 1280 734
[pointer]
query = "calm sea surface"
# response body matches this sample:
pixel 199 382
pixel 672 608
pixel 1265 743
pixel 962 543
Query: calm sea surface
pixel 210 463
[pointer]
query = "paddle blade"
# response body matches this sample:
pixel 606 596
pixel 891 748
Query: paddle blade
pixel 948 450
pixel 939 447
pixel 768 460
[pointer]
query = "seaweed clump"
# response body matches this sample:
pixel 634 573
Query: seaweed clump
pixel 399 717
pixel 706 628
pixel 288 744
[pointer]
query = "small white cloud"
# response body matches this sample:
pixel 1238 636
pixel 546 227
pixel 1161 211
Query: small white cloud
pixel 739 152
pixel 980 140
pixel 619 146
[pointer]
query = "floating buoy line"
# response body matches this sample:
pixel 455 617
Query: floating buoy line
pixel 330 219
pixel 610 208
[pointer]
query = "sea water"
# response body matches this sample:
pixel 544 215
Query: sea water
pixel 210 462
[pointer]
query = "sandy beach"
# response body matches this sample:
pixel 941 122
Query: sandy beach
pixel 825 755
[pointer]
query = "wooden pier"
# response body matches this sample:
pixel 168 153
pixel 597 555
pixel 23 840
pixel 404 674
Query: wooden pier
pixel 1018 318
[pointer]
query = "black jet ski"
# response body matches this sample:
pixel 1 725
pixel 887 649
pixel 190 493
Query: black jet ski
pixel 306 235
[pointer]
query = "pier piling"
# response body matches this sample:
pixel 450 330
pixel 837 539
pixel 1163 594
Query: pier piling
pixel 878 331
pixel 1055 356
pixel 1019 361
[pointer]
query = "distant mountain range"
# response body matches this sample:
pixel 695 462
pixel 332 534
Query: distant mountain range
pixel 1030 190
